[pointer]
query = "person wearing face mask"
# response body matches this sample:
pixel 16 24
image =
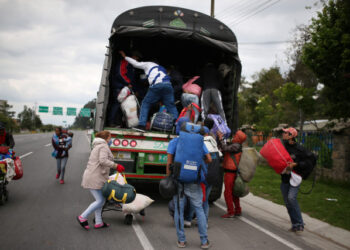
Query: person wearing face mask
pixel 101 160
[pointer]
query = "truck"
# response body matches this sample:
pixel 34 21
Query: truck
pixel 176 36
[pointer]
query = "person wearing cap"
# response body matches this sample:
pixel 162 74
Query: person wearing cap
pixel 291 178
pixel 160 89
pixel 6 138
pixel 232 155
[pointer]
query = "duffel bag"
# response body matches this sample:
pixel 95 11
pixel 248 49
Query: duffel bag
pixel 219 125
pixel 18 168
pixel 276 155
pixel 240 188
pixel 112 190
pixel 162 121
pixel 248 163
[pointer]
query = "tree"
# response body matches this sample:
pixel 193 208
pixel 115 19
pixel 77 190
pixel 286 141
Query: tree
pixel 28 119
pixel 85 122
pixel 327 53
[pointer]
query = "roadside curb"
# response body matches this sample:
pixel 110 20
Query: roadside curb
pixel 335 234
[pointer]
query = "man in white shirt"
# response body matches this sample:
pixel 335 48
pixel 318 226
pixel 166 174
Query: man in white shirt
pixel 160 89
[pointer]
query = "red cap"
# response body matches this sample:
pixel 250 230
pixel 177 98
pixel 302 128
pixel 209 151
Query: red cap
pixel 292 131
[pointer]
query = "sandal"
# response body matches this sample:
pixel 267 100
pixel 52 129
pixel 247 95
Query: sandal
pixel 102 225
pixel 84 224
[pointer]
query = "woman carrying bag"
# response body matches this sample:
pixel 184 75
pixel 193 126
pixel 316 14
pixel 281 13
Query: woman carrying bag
pixel 95 175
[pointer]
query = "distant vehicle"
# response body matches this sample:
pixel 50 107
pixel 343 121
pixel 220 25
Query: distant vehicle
pixel 177 36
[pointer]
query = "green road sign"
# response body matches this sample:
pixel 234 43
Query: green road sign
pixel 85 112
pixel 72 111
pixel 43 109
pixel 57 111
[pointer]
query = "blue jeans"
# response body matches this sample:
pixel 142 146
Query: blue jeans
pixel 61 166
pixel 190 214
pixel 158 92
pixel 194 192
pixel 289 194
pixel 114 111
pixel 96 206
pixel 187 99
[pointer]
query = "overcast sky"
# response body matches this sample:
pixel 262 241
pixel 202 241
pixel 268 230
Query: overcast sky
pixel 52 51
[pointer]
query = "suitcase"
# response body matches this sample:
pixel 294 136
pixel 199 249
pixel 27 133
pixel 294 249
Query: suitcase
pixel 162 121
pixel 276 155
pixel 219 125
pixel 130 108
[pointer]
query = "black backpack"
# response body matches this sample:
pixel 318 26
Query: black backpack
pixel 214 173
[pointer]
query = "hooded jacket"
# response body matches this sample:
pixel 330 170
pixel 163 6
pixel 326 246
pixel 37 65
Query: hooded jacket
pixel 234 148
pixel 98 166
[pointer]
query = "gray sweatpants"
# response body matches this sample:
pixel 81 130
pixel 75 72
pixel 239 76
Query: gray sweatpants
pixel 208 96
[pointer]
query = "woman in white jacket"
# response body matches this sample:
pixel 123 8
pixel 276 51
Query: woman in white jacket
pixel 101 160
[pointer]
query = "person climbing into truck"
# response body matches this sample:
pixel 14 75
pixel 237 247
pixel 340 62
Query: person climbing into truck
pixel 122 76
pixel 160 89
pixel 211 82
pixel 232 155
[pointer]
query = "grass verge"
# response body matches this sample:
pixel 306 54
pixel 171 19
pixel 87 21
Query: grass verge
pixel 266 184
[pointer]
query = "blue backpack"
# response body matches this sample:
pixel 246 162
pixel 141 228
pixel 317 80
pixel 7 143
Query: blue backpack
pixel 189 154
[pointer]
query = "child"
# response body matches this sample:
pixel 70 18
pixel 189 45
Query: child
pixel 232 155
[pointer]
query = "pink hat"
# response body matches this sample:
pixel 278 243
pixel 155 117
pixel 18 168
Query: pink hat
pixel 291 130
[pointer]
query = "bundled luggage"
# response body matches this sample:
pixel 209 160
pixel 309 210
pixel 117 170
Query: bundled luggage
pixel 276 155
pixel 162 121
pixel 192 88
pixel 18 168
pixel 121 193
pixel 130 108
pixel 219 125
pixel 190 113
pixel 240 189
pixel 248 163
pixel 141 202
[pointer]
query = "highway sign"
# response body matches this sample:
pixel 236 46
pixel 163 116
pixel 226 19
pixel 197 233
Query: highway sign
pixel 85 112
pixel 57 111
pixel 72 111
pixel 43 109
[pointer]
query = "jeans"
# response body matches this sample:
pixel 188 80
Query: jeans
pixel 289 194
pixel 158 92
pixel 190 214
pixel 61 166
pixel 194 192
pixel 187 99
pixel 114 108
pixel 96 206
pixel 208 96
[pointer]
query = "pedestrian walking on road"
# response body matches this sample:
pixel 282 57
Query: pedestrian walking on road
pixel 232 156
pixel 291 180
pixel 101 160
pixel 59 143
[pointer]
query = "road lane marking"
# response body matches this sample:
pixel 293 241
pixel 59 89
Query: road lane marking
pixel 25 155
pixel 47 145
pixel 275 236
pixel 141 235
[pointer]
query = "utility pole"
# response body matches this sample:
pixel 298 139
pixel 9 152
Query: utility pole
pixel 212 8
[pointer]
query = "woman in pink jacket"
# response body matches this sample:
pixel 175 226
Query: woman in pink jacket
pixel 95 175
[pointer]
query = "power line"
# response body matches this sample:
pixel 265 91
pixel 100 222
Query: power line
pixel 239 8
pixel 242 20
pixel 264 43
pixel 253 10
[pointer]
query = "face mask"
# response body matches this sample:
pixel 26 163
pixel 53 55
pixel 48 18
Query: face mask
pixel 110 142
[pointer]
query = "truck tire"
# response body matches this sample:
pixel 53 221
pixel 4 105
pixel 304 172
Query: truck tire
pixel 216 190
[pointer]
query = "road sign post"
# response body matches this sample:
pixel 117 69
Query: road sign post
pixel 57 111
pixel 43 109
pixel 85 112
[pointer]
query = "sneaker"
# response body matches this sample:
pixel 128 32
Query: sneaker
pixel 181 244
pixel 57 176
pixel 238 214
pixel 140 128
pixel 187 224
pixel 227 216
pixel 206 245
pixel 299 231
pixel 292 229
pixel 61 181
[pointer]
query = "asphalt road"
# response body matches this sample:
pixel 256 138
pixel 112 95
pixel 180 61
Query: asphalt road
pixel 40 213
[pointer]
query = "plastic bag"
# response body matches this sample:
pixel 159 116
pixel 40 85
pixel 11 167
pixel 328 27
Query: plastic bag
pixel 119 177
pixel 141 202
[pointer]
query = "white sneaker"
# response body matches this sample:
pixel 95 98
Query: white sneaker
pixel 187 224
